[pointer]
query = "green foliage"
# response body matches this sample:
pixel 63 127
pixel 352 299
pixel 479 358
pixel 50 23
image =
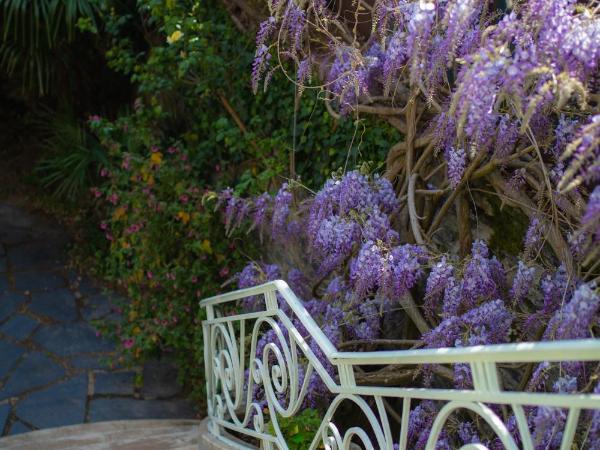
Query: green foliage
pixel 34 33
pixel 75 156
pixel 300 429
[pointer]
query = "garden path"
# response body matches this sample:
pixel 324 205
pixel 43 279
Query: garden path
pixel 55 370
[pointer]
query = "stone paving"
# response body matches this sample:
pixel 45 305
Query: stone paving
pixel 55 369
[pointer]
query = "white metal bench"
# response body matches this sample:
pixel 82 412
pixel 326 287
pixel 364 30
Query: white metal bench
pixel 230 384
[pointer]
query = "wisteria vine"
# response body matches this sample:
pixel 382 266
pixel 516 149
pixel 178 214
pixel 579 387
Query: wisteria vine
pixel 495 100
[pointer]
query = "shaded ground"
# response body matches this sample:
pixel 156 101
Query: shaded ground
pixel 54 367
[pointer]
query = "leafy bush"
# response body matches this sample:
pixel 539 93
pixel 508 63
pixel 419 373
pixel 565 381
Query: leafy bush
pixel 73 155
pixel 34 36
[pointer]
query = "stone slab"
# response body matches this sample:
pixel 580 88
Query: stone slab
pixel 102 409
pixel 160 380
pixel 71 339
pixel 38 281
pixel 59 304
pixel 93 362
pixel 119 383
pixel 10 302
pixel 114 435
pixel 84 285
pixel 34 371
pixel 4 411
pixel 36 255
pixel 59 405
pixel 4 285
pixel 10 355
pixel 18 427
pixel 19 326
pixel 97 307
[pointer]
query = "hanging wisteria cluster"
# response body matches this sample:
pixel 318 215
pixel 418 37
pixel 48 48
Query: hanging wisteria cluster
pixel 498 102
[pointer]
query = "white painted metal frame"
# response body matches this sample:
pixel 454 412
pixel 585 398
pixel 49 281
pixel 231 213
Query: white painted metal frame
pixel 278 372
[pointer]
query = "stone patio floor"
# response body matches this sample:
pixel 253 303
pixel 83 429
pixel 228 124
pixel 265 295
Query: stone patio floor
pixel 55 369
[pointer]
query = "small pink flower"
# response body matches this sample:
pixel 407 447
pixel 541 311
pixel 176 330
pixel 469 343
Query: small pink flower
pixel 154 148
pixel 218 168
pixel 128 343
pixel 109 236
pixel 113 198
pixel 150 275
pixel 183 157
pixel 224 272
pixel 104 172
pixel 95 118
pixel 183 198
pixel 96 192
pixel 103 226
pixel 134 228
pixel 172 150
pixel 194 280
pixel 125 163
pixel 98 334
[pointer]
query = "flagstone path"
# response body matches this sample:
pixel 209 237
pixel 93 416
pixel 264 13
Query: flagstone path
pixel 55 369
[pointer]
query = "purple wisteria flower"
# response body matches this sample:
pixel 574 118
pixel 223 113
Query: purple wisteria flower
pixel 548 425
pixel 533 236
pixel 574 319
pixel 440 278
pixel 253 275
pixel 591 218
pixel 366 270
pixel 481 276
pixel 260 65
pixel 489 323
pixel 523 282
pixel 281 210
pixel 456 160
pixel 261 205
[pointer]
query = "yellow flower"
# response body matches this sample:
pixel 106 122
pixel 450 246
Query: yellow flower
pixel 119 212
pixel 206 247
pixel 156 158
pixel 175 36
pixel 132 315
pixel 183 216
pixel 136 331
